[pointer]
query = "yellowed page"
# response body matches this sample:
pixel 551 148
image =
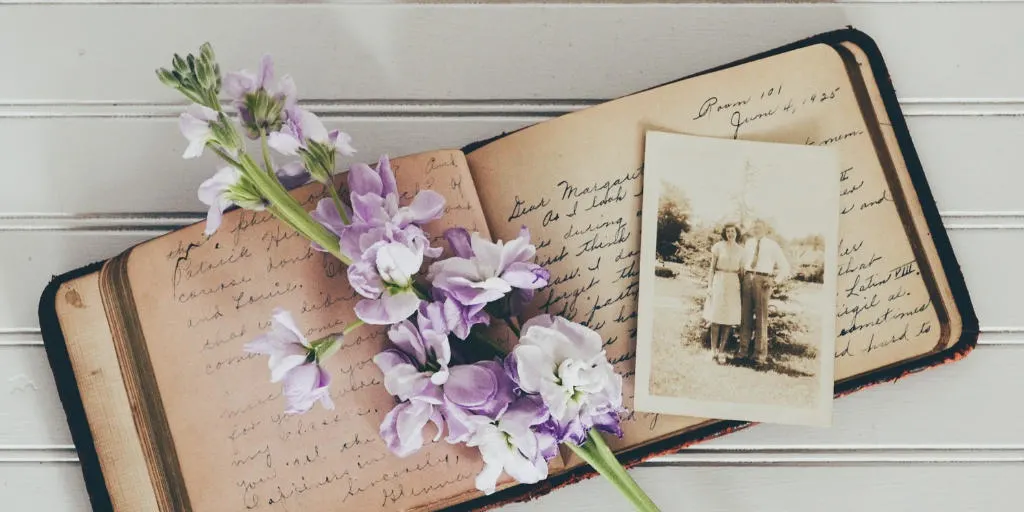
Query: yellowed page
pixel 91 351
pixel 579 178
pixel 945 294
pixel 201 300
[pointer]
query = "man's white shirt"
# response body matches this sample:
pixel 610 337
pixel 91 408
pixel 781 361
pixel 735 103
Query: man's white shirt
pixel 769 257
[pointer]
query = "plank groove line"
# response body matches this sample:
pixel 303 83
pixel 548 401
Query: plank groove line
pixel 441 108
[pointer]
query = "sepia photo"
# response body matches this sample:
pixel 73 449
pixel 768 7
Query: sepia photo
pixel 737 280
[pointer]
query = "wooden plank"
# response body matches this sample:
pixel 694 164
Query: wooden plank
pixel 30 412
pixel 803 489
pixel 458 51
pixel 31 258
pixel 54 487
pixel 58 488
pixel 99 157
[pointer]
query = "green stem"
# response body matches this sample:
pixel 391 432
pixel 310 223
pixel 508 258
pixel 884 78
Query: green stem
pixel 597 453
pixel 352 326
pixel 337 202
pixel 289 210
pixel 268 162
pixel 226 157
pixel 511 325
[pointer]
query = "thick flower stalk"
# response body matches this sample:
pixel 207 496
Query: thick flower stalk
pixel 263 107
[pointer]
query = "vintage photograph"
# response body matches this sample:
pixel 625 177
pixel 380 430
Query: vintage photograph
pixel 737 284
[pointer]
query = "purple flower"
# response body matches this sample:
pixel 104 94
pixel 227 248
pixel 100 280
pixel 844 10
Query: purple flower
pixel 225 188
pixel 482 271
pixel 377 215
pixel 195 126
pixel 238 84
pixel 418 361
pixel 306 385
pixel 457 318
pixel 414 371
pixel 512 444
pixel 565 365
pixel 302 127
pixel 402 428
pixel 384 241
pixel 258 99
pixel 296 361
pixel 383 275
pixel 475 394
pixel 214 192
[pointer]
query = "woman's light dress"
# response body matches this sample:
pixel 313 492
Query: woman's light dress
pixel 723 304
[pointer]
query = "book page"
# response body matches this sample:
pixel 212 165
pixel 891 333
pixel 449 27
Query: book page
pixel 91 351
pixel 945 294
pixel 200 300
pixel 576 182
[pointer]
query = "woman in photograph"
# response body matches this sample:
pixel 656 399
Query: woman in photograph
pixel 722 307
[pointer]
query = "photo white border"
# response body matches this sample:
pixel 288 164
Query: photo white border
pixel 821 414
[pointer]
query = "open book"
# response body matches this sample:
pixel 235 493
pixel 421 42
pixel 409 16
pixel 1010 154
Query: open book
pixel 169 414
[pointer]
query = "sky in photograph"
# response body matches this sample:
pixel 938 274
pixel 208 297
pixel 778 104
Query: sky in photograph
pixel 793 187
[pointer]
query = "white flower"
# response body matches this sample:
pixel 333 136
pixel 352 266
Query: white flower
pixel 195 126
pixel 510 444
pixel 215 193
pixel 565 364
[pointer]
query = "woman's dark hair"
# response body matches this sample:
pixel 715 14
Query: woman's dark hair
pixel 739 234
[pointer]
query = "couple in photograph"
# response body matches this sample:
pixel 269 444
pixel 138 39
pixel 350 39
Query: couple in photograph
pixel 744 271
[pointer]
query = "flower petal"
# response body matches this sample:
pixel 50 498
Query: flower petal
pixel 526 275
pixel 266 72
pixel 401 429
pixel 406 337
pixel 458 240
pixel 397 263
pixel 405 381
pixel 389 358
pixel 312 127
pixel 284 143
pixel 237 84
pixel 425 207
pixel 534 366
pixel 387 176
pixel 470 386
pixel 364 180
pixel 213 219
pixel 292 175
pixel 487 479
pixel 283 318
pixel 388 309
pixel 326 213
pixel 342 142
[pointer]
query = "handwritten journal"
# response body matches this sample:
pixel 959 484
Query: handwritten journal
pixel 168 414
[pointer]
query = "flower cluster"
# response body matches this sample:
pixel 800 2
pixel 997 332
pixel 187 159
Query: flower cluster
pixel 555 387
pixel 384 241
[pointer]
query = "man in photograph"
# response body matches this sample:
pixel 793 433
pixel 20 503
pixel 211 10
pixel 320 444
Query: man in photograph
pixel 765 266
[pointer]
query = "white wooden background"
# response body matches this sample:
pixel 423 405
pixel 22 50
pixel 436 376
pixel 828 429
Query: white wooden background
pixel 89 164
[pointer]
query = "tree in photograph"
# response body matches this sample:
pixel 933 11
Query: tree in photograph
pixel 673 221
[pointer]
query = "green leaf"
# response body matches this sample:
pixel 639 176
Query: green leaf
pixel 179 64
pixel 167 77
